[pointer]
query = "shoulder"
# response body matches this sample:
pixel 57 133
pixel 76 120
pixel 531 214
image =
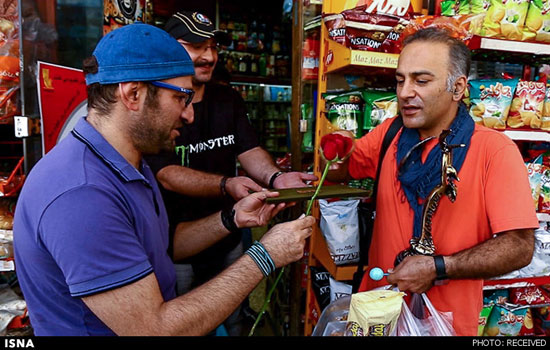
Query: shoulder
pixel 491 139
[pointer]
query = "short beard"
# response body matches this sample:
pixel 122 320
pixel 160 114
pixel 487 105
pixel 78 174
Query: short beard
pixel 144 131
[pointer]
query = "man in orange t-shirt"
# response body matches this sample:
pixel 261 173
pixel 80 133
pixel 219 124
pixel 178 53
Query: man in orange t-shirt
pixel 488 230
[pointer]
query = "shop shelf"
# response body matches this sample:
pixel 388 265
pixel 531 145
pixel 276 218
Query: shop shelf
pixel 14 182
pixel 528 135
pixel 515 282
pixel 522 47
pixel 340 57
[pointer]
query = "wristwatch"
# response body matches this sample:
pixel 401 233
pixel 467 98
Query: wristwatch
pixel 440 272
pixel 273 177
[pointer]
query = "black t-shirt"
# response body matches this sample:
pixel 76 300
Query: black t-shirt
pixel 220 132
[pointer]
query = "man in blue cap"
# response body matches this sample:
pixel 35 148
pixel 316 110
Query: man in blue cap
pixel 91 230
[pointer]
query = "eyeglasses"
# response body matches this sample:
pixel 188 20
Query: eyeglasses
pixel 190 93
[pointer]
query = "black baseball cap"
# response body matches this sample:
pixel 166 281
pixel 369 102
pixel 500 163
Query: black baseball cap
pixel 194 27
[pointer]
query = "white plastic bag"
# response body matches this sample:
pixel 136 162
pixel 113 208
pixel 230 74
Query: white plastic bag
pixel 423 319
pixel 340 227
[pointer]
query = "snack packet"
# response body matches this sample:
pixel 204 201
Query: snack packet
pixel 505 19
pixel 336 27
pixel 537 23
pixel 374 313
pixel 345 110
pixel 545 120
pixel 544 203
pixel 490 101
pixel 505 320
pixel 534 170
pixel 340 227
pixel 379 106
pixel 483 317
pixel 528 296
pixel 527 105
pixel 528 328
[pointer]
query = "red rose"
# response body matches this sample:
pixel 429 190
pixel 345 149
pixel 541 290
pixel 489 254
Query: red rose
pixel 335 146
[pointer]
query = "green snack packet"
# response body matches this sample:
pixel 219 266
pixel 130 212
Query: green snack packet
pixel 464 7
pixel 345 110
pixel 483 317
pixel 537 23
pixel 379 106
pixel 449 7
pixel 479 6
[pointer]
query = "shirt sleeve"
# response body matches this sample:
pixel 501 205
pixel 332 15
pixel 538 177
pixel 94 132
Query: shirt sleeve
pixel 89 233
pixel 509 201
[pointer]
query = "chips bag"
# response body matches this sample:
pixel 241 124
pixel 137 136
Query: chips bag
pixel 336 27
pixel 374 313
pixel 544 202
pixel 528 296
pixel 545 122
pixel 537 23
pixel 527 105
pixel 483 317
pixel 534 169
pixel 505 19
pixel 345 110
pixel 528 328
pixel 490 101
pixel 505 320
pixel 479 6
pixel 379 106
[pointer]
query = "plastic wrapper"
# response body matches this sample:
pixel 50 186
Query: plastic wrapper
pixel 527 105
pixel 490 101
pixel 544 193
pixel 528 296
pixel 333 317
pixel 339 289
pixel 461 26
pixel 379 106
pixel 505 320
pixel 336 27
pixel 497 297
pixel 340 227
pixel 7 211
pixel 483 317
pixel 505 19
pixel 374 313
pixel 527 329
pixel 479 6
pixel 537 23
pixel 345 110
pixel 545 122
pixel 534 170
pixel 320 285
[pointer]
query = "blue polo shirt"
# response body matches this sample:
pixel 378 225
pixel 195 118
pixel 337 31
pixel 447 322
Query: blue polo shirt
pixel 86 222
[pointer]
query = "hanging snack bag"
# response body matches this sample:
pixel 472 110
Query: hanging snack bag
pixel 545 122
pixel 340 227
pixel 505 320
pixel 374 313
pixel 479 6
pixel 336 27
pixel 320 285
pixel 537 23
pixel 448 7
pixel 527 105
pixel 379 106
pixel 345 110
pixel 339 289
pixel 541 317
pixel 505 19
pixel 528 296
pixel 490 101
pixel 535 169
pixel 483 317
pixel 544 201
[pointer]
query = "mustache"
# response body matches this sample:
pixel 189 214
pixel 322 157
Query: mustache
pixel 204 64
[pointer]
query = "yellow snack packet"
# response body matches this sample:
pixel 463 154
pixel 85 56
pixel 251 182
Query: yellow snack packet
pixel 537 23
pixel 374 313
pixel 505 19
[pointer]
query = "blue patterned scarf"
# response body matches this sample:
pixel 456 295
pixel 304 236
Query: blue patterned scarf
pixel 419 179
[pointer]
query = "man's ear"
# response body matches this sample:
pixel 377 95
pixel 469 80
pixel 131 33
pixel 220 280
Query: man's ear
pixel 460 86
pixel 132 94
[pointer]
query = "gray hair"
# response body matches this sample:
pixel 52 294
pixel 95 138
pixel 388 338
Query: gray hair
pixel 459 54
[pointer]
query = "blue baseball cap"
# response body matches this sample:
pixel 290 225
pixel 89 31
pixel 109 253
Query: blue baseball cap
pixel 139 52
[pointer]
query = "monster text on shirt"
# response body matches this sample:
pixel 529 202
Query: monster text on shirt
pixel 202 146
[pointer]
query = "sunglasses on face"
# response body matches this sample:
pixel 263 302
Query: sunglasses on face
pixel 190 93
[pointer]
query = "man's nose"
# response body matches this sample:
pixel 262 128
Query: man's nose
pixel 188 114
pixel 406 90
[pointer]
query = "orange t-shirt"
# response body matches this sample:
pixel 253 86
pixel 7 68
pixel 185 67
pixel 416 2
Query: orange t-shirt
pixel 493 196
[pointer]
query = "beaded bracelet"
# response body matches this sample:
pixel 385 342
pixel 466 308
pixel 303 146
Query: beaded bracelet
pixel 261 257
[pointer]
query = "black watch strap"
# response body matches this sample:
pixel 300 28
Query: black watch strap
pixel 440 272
pixel 273 177
pixel 228 219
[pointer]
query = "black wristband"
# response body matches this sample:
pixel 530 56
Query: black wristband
pixel 273 177
pixel 222 186
pixel 228 219
pixel 440 272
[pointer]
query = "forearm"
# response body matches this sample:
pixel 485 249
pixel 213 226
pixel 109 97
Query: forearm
pixel 505 253
pixel 202 309
pixel 192 237
pixel 189 182
pixel 258 164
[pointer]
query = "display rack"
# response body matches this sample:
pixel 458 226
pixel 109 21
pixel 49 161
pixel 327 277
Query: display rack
pixel 337 60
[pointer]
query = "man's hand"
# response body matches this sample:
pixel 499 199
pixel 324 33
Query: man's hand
pixel 293 179
pixel 253 211
pixel 285 242
pixel 240 186
pixel 414 274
